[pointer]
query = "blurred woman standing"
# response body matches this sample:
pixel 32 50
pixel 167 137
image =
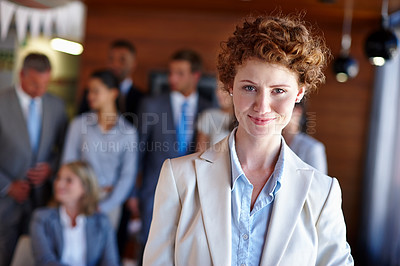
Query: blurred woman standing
pixel 106 140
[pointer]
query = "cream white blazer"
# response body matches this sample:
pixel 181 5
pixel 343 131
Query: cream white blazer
pixel 192 215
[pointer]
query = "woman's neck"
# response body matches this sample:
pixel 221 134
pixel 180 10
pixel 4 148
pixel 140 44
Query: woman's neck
pixel 72 212
pixel 108 117
pixel 257 152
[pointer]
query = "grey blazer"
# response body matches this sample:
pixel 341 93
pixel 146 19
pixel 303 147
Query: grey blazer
pixel 158 141
pixel 47 239
pixel 15 154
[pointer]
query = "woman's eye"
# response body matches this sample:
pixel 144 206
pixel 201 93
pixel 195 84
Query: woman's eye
pixel 249 88
pixel 278 91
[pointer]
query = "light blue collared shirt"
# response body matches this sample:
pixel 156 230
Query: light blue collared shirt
pixel 113 155
pixel 249 228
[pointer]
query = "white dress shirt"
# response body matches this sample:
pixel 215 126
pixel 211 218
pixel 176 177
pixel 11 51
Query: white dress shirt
pixel 74 245
pixel 177 100
pixel 25 100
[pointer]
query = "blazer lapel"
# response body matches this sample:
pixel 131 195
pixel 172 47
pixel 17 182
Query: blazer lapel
pixel 213 178
pixel 47 125
pixel 20 123
pixel 170 118
pixel 91 233
pixel 287 207
pixel 58 232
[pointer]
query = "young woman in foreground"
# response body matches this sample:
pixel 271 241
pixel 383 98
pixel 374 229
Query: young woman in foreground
pixel 249 200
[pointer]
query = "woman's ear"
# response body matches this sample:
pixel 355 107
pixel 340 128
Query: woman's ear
pixel 300 94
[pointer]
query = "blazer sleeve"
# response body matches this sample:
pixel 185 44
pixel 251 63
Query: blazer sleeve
pixel 333 248
pixel 43 250
pixel 160 247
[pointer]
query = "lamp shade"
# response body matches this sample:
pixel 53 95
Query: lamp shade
pixel 345 67
pixel 381 46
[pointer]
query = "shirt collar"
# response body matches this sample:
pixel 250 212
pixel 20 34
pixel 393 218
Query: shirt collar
pixel 92 119
pixel 237 170
pixel 24 97
pixel 179 98
pixel 66 220
pixel 125 85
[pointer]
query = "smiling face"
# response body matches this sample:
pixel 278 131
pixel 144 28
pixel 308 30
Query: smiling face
pixel 68 187
pixel 264 95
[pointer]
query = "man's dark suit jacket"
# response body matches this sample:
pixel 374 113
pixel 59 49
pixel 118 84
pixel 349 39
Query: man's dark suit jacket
pixel 158 142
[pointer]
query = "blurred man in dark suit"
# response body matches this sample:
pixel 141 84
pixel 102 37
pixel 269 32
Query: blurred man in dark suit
pixel 167 128
pixel 32 127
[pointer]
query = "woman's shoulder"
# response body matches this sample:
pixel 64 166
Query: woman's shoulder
pixel 45 213
pixel 100 219
pixel 85 119
pixel 126 127
pixel 212 111
pixel 214 153
pixel 307 141
pixel 297 163
pixel 184 161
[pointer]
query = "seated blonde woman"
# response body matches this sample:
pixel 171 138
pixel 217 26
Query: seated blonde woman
pixel 74 233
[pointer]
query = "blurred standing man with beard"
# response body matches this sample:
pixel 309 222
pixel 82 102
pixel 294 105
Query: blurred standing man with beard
pixel 32 128
pixel 167 128
pixel 122 62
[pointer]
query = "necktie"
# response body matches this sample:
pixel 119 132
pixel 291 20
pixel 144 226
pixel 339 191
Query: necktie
pixel 34 125
pixel 183 129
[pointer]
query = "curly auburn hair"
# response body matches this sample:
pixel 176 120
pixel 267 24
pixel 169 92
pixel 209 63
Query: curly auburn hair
pixel 283 40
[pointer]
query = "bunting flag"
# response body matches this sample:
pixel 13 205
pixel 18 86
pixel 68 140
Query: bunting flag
pixel 21 19
pixel 66 21
pixel 7 10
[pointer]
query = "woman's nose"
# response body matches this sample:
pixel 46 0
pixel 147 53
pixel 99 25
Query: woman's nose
pixel 262 103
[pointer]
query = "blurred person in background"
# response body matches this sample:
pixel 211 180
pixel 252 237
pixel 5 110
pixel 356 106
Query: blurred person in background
pixel 122 61
pixel 167 125
pixel 310 150
pixel 32 130
pixel 215 124
pixel 106 140
pixel 74 232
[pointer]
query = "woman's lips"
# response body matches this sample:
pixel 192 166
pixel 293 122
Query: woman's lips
pixel 261 120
